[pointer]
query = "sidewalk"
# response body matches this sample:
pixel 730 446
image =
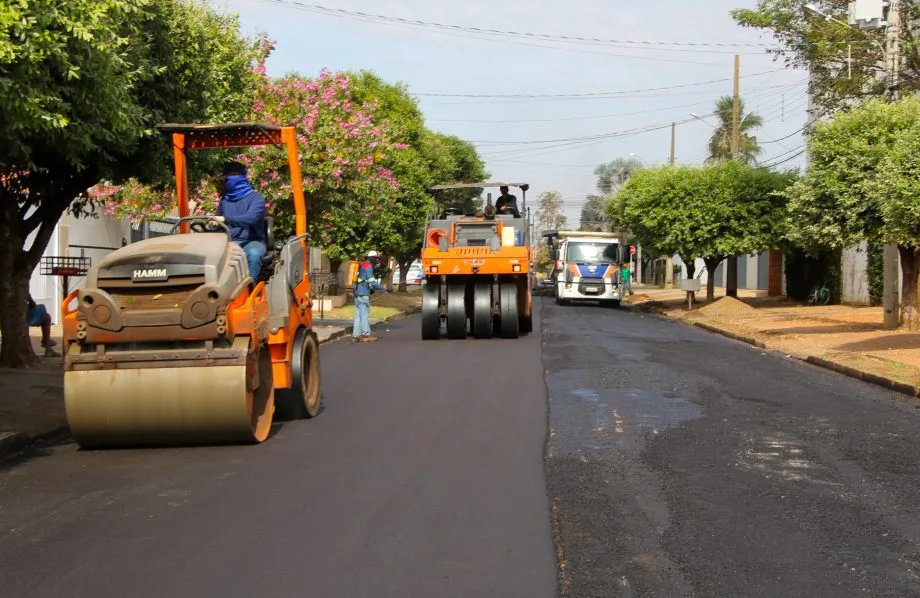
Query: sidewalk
pixel 848 339
pixel 32 401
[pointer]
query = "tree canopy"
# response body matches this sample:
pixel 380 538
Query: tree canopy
pixel 593 217
pixel 862 185
pixel 720 144
pixel 710 212
pixel 84 81
pixel 844 63
pixel 550 211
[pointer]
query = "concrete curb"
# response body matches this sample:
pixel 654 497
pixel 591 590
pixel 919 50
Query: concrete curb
pixel 347 330
pixel 899 387
pixel 727 333
pixel 887 383
pixel 17 442
pixel 12 443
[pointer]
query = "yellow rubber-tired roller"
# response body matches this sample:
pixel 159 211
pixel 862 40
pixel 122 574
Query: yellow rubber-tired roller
pixel 170 342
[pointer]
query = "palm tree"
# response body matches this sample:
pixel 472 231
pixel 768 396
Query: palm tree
pixel 613 175
pixel 720 143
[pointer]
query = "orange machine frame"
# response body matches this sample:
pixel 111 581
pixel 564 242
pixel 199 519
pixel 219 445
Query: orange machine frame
pixel 473 260
pixel 245 313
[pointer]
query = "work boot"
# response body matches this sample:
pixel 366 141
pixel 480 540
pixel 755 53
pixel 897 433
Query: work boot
pixel 368 339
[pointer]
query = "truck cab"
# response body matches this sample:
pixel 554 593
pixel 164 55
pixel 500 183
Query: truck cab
pixel 586 266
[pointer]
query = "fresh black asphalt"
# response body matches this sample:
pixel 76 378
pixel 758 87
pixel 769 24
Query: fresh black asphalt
pixel 613 453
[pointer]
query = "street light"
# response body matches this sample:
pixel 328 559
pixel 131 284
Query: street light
pixel 859 26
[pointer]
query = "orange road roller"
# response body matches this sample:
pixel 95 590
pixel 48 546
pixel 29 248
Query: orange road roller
pixel 477 269
pixel 170 341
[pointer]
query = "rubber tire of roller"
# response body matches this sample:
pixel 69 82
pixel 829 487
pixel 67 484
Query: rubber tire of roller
pixel 526 322
pixel 456 311
pixel 431 317
pixel 306 378
pixel 482 310
pixel 509 310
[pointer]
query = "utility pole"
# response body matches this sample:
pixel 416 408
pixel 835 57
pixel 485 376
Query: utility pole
pixel 673 139
pixel 736 111
pixel 731 268
pixel 891 268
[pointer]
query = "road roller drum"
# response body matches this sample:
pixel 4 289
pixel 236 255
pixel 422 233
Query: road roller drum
pixel 169 341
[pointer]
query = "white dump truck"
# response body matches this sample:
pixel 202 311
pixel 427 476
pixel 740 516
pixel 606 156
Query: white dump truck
pixel 586 265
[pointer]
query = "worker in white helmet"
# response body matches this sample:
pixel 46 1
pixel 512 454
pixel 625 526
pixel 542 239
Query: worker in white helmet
pixel 364 286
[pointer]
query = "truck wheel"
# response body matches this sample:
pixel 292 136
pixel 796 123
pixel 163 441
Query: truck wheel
pixel 509 310
pixel 431 317
pixel 456 310
pixel 482 310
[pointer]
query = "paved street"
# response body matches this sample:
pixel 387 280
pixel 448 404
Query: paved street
pixel 679 463
pixel 685 464
pixel 423 477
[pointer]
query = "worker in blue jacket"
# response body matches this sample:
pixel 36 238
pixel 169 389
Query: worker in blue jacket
pixel 243 210
pixel 366 284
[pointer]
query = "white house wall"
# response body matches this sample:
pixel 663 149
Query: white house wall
pixel 749 276
pixel 46 290
pixel 854 263
pixel 75 237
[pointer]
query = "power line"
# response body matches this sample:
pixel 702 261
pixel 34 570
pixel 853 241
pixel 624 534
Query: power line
pixel 600 94
pixel 577 39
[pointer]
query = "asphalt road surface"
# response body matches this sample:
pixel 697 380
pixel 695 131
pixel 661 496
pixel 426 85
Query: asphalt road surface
pixel 422 477
pixel 681 463
pixel 677 463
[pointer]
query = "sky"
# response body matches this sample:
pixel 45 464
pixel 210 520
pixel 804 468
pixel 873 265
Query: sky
pixel 637 67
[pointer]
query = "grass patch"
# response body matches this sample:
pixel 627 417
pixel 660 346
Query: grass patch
pixel 347 312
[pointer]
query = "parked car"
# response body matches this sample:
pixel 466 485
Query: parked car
pixel 414 275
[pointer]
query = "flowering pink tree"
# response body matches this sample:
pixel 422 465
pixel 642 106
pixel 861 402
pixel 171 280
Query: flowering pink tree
pixel 343 148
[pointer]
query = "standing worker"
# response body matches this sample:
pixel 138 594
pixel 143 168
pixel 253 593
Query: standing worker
pixel 365 285
pixel 626 277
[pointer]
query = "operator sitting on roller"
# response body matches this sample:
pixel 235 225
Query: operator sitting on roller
pixel 243 209
pixel 507 203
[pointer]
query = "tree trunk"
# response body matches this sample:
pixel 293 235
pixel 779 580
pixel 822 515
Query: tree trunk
pixel 52 196
pixel 910 276
pixel 334 266
pixel 404 262
pixel 16 344
pixel 711 264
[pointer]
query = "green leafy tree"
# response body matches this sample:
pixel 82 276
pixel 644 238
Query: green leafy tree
pixel 862 185
pixel 844 63
pixel 711 212
pixel 398 231
pixel 465 166
pixel 720 144
pixel 347 154
pixel 84 83
pixel 550 215
pixel 593 217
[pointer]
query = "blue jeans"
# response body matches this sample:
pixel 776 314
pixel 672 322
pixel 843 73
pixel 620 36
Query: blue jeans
pixel 362 326
pixel 36 315
pixel 255 251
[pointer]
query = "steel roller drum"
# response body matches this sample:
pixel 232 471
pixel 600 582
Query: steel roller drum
pixel 153 406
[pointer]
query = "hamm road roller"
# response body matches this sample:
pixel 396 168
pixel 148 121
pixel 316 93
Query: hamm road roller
pixel 169 341
pixel 477 269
